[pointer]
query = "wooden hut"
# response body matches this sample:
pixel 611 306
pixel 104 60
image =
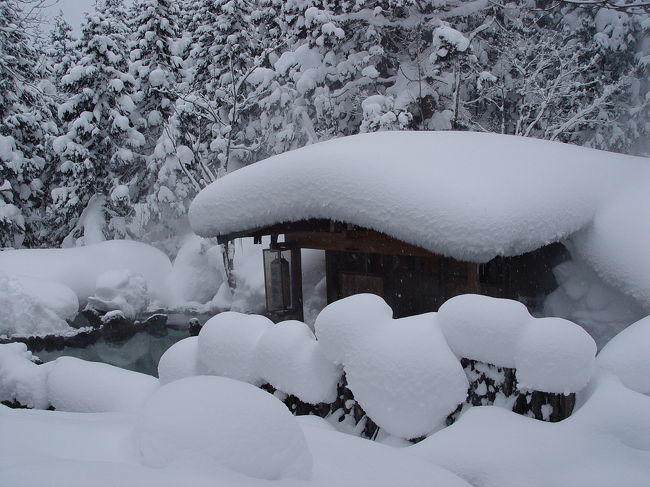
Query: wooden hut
pixel 411 280
pixel 418 217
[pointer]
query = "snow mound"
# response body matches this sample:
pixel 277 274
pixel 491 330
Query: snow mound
pixel 33 310
pixel 121 290
pixel 405 376
pixel 344 325
pixel 90 387
pixel 627 356
pixel 290 359
pixel 617 241
pixel 232 423
pixel 52 295
pixel 401 372
pixel 585 299
pixel 179 361
pixel 228 343
pixel 518 193
pixel 483 328
pixel 79 267
pixel 21 379
pixel 554 355
pixel 605 442
pixel 197 271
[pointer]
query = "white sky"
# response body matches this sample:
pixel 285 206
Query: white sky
pixel 73 10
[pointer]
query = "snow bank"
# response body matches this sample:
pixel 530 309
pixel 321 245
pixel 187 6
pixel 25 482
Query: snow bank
pixel 606 442
pixel 627 355
pixel 616 242
pixel 290 359
pixel 517 193
pixel 90 387
pixel 79 267
pixel 228 344
pixel 585 299
pixel 121 290
pixel 33 308
pixel 21 379
pixel 232 423
pixel 179 361
pixel 75 449
pixel 483 328
pixel 554 355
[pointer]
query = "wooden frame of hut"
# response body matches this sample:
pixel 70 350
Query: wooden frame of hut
pixel 411 280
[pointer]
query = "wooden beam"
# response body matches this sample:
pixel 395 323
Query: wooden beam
pixel 364 241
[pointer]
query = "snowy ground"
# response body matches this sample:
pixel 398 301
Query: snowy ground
pixel 115 426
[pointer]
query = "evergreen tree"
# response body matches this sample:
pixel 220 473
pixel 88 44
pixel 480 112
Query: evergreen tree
pixel 97 160
pixel 25 124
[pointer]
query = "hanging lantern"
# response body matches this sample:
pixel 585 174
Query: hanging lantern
pixel 277 277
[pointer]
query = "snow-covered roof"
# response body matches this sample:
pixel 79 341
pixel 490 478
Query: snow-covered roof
pixel 471 196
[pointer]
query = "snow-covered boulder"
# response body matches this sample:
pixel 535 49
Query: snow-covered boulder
pixel 121 290
pixel 34 310
pixel 483 328
pixel 228 344
pixel 52 295
pixel 225 421
pixel 91 387
pixel 554 355
pixel 20 378
pixel 179 361
pixel 290 359
pixel 627 356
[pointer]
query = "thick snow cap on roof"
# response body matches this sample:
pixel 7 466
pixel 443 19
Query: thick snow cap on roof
pixel 471 196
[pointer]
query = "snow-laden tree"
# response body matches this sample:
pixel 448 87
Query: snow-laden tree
pixel 556 75
pixel 97 160
pixel 61 52
pixel 155 66
pixel 25 125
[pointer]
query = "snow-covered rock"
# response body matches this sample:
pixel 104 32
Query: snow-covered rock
pixel 179 361
pixel 627 356
pixel 225 421
pixel 228 344
pixel 20 378
pixel 483 328
pixel 52 295
pixel 121 290
pixel 34 308
pixel 290 359
pixel 91 387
